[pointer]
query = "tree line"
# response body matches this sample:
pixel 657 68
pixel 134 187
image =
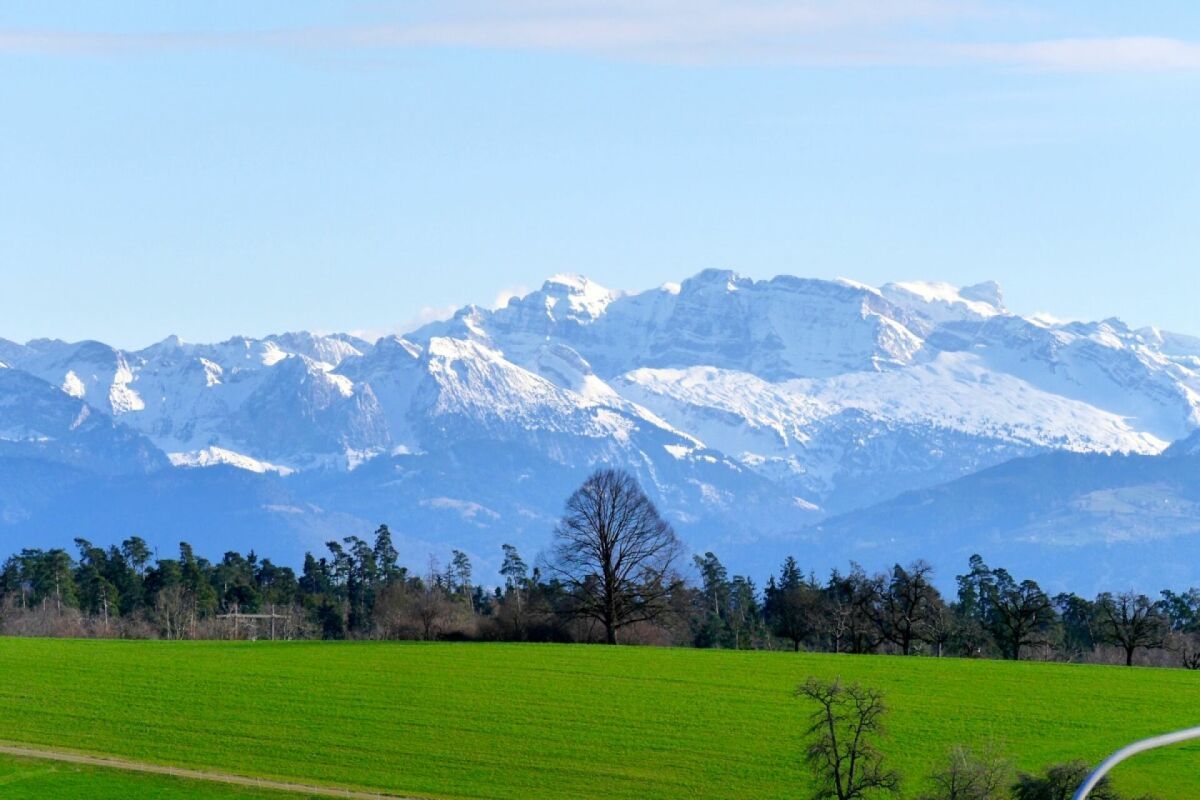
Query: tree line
pixel 615 572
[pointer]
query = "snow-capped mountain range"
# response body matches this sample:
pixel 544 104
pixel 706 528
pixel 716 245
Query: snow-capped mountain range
pixel 753 411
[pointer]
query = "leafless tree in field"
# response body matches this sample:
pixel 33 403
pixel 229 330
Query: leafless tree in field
pixel 614 553
pixel 940 627
pixel 1131 621
pixel 170 608
pixel 431 609
pixel 842 751
pixel 429 606
pixel 1187 645
pixel 968 776
pixel 392 610
pixel 905 604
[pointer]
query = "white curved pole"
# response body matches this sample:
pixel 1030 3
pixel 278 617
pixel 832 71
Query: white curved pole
pixel 1132 750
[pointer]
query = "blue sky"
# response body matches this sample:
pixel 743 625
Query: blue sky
pixel 256 167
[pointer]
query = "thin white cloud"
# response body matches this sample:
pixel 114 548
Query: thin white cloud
pixel 804 32
pixel 426 315
pixel 371 335
pixel 423 317
pixel 429 314
pixel 1118 54
pixel 665 30
pixel 504 295
pixel 666 27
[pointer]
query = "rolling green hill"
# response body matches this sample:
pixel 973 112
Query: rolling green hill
pixel 509 721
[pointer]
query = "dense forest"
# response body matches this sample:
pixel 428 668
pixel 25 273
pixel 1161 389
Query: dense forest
pixel 635 583
pixel 359 590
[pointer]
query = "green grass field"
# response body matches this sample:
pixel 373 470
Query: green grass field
pixel 24 779
pixel 509 721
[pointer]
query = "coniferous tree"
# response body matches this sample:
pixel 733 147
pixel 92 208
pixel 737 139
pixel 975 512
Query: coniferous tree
pixel 791 605
pixel 387 557
pixel 460 568
pixel 714 601
pixel 743 611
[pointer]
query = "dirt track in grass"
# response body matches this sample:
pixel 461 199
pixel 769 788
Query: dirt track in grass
pixel 105 762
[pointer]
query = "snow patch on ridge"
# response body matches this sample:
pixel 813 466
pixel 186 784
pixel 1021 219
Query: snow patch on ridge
pixel 73 386
pixel 213 456
pixel 943 302
pixel 121 397
pixel 859 285
pixel 959 391
pixel 271 355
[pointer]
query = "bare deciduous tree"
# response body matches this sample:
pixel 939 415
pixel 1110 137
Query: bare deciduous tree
pixel 940 627
pixel 1188 647
pixel 906 603
pixel 1021 614
pixel 968 776
pixel 614 553
pixel 842 752
pixel 170 608
pixel 429 606
pixel 392 610
pixel 851 601
pixel 430 609
pixel 1131 621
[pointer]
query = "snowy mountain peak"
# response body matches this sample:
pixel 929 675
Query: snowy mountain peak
pixel 396 344
pixel 944 302
pixel 988 292
pixel 168 344
pixel 332 350
pixel 575 297
pixel 721 279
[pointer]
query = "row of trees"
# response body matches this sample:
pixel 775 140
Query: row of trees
pixel 357 590
pixel 992 615
pixel 614 573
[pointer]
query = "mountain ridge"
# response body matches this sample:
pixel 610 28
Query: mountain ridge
pixel 752 410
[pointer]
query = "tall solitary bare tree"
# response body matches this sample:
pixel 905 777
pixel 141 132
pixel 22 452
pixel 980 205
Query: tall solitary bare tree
pixel 614 553
pixel 841 750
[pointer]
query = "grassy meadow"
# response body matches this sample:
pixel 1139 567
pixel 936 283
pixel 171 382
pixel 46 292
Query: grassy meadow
pixel 25 779
pixel 517 721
